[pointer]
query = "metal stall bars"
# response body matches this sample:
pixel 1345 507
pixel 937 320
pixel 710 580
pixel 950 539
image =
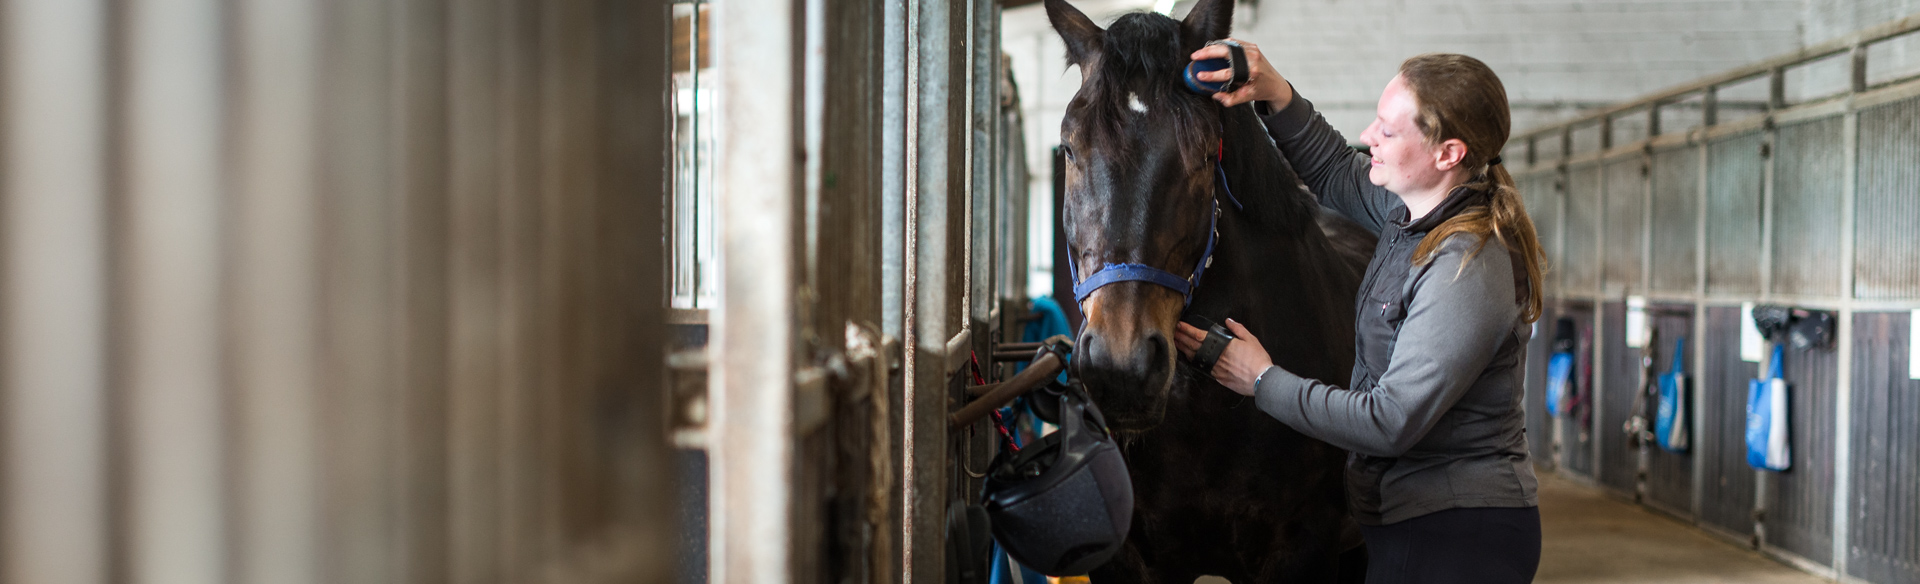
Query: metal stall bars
pixel 882 227
pixel 332 291
pixel 1788 181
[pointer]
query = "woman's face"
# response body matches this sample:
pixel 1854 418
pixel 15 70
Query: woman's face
pixel 1403 162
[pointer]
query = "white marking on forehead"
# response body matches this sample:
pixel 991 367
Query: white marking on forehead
pixel 1133 102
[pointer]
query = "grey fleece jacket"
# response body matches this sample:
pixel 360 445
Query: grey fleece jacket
pixel 1433 415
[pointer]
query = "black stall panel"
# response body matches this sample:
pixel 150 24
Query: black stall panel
pixel 1885 526
pixel 1726 497
pixel 1618 463
pixel 1800 500
pixel 1670 474
pixel 1539 424
pixel 1576 435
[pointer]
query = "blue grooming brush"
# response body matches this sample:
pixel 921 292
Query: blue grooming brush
pixel 1202 66
pixel 1237 61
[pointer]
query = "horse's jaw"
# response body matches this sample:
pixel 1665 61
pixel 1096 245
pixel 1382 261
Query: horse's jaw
pixel 1153 409
pixel 1138 424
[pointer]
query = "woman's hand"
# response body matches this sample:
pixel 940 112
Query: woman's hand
pixel 1263 82
pixel 1240 363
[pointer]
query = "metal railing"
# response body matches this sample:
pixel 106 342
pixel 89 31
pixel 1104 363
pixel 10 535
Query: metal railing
pixel 1773 70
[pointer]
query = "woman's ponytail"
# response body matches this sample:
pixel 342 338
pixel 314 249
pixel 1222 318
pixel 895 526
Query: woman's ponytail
pixel 1460 98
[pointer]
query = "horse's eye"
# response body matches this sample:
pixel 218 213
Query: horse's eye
pixel 1067 151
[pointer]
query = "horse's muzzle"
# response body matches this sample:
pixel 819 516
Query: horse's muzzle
pixel 1128 377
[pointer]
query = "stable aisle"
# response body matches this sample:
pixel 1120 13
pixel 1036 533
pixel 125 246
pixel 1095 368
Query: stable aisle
pixel 1591 538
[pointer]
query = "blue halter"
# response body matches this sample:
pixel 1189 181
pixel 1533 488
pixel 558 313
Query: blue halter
pixel 1130 272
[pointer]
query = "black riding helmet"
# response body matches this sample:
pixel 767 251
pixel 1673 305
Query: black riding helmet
pixel 1063 504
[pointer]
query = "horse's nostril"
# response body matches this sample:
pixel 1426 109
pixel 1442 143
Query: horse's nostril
pixel 1156 351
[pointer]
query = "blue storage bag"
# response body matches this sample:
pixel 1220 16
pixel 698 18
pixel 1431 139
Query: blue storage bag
pixel 1767 419
pixel 1559 377
pixel 1670 417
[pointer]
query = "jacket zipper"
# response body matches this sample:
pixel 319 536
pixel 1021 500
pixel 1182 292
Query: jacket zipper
pixel 1392 247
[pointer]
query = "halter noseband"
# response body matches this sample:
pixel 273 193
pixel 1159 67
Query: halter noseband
pixel 1131 272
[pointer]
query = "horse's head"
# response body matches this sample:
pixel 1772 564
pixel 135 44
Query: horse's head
pixel 1140 180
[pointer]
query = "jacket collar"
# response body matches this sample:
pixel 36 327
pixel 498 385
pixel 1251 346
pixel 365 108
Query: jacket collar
pixel 1461 199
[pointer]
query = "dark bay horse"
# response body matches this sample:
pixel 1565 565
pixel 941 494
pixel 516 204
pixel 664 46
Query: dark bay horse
pixel 1220 487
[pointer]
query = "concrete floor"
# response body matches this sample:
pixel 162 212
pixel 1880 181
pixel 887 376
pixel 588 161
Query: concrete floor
pixel 1589 538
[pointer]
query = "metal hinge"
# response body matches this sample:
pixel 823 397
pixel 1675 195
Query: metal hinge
pixel 687 399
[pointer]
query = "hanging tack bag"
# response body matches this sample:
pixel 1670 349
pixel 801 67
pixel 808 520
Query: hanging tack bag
pixel 1767 418
pixel 1559 374
pixel 1560 366
pixel 1670 418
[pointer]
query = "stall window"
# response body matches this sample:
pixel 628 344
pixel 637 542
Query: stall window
pixel 690 216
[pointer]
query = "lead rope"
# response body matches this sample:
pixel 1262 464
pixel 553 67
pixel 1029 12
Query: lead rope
pixel 966 446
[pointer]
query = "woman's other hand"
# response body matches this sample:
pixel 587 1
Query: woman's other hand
pixel 1263 82
pixel 1240 364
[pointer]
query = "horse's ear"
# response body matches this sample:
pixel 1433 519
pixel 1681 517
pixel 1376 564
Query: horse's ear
pixel 1082 36
pixel 1208 20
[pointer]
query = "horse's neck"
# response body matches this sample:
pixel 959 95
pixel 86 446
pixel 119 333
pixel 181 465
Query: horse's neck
pixel 1260 178
pixel 1272 243
pixel 1253 260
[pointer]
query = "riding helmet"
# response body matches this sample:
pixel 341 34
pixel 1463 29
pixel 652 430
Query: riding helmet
pixel 1063 504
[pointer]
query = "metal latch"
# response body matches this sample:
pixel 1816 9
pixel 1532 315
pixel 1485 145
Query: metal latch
pixel 687 399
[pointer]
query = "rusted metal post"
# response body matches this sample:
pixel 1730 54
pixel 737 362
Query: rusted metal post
pixel 752 430
pixel 170 265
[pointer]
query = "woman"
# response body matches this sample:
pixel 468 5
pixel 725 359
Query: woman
pixel 1439 476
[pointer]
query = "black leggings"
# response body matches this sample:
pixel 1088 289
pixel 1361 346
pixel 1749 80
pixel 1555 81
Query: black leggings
pixel 1487 545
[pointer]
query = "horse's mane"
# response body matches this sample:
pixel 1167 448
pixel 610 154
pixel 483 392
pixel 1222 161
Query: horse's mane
pixel 1262 179
pixel 1143 55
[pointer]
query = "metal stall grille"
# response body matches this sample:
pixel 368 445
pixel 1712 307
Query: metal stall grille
pixel 1885 505
pixel 1799 508
pixel 1887 257
pixel 1544 202
pixel 1540 195
pixel 1670 474
pixel 1577 427
pixel 1617 463
pixel 1674 214
pixel 1735 168
pixel 1579 264
pixel 1624 203
pixel 1806 209
pixel 858 282
pixel 1726 487
pixel 1539 423
pixel 347 291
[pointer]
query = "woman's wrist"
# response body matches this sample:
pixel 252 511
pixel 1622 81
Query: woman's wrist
pixel 1281 97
